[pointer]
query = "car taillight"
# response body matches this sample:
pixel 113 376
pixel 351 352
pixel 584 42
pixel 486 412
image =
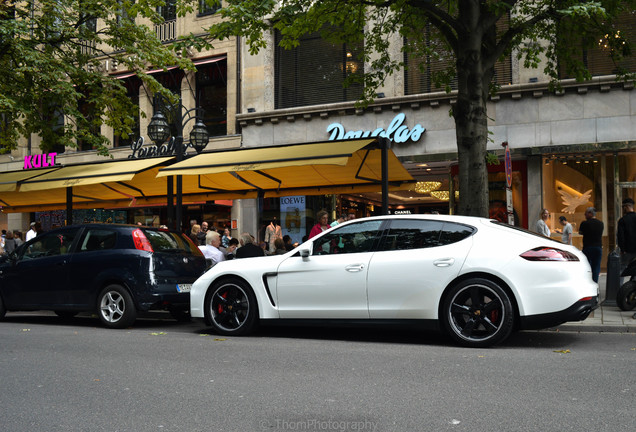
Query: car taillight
pixel 548 254
pixel 141 241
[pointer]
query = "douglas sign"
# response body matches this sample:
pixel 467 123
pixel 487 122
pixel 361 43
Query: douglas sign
pixel 396 131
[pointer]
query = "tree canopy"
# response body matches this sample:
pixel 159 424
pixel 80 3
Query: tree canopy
pixel 51 57
pixel 470 31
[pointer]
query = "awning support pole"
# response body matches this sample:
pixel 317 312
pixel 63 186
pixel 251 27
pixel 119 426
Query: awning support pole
pixel 170 199
pixel 385 144
pixel 69 205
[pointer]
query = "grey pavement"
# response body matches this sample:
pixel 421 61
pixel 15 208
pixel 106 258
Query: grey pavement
pixel 607 318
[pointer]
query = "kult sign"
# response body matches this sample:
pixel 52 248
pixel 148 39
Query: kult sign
pixel 396 132
pixel 39 160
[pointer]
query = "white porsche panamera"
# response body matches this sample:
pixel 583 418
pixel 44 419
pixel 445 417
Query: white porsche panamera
pixel 476 279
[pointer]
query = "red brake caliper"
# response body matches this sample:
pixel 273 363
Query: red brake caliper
pixel 220 307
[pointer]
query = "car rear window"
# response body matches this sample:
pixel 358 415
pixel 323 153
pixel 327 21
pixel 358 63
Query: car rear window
pixel 167 241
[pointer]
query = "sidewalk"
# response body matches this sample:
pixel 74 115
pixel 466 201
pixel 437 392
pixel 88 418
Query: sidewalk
pixel 604 319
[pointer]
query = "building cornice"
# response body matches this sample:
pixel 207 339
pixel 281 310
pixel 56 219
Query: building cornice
pixel 431 100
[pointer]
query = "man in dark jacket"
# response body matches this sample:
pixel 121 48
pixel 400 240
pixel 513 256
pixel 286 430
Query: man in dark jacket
pixel 626 233
pixel 248 249
pixel 592 231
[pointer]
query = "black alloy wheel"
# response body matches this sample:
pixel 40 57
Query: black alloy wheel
pixel 231 308
pixel 478 313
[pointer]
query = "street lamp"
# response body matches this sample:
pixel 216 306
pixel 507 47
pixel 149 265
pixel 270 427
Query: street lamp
pixel 159 132
pixel 158 129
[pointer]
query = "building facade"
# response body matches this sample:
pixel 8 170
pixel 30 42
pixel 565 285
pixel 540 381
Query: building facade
pixel 571 149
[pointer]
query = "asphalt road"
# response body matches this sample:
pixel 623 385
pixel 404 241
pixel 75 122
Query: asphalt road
pixel 162 375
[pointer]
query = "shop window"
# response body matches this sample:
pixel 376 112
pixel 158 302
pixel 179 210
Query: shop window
pixel 314 72
pixel 211 82
pixel 570 186
pixel 595 54
pixel 424 73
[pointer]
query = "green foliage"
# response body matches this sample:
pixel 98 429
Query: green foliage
pixel 51 55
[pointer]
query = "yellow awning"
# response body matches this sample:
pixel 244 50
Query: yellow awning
pixel 91 174
pixel 279 170
pixel 9 180
pixel 263 158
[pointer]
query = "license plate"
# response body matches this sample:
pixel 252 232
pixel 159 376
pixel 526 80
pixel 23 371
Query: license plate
pixel 183 288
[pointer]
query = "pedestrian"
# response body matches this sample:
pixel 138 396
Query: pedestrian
pixel 9 242
pixel 17 236
pixel 288 242
pixel 230 250
pixel 280 247
pixel 566 232
pixel 204 231
pixel 626 233
pixel 322 223
pixel 592 231
pixel 211 249
pixel 194 234
pixel 342 218
pixel 541 227
pixel 31 233
pixel 227 236
pixel 248 249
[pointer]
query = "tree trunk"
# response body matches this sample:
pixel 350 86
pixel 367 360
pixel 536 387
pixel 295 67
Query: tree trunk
pixel 471 125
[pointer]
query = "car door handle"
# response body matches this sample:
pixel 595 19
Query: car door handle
pixel 354 268
pixel 444 262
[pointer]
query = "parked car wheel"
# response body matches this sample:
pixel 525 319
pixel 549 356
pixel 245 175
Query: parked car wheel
pixel 231 308
pixel 478 313
pixel 116 308
pixel 626 296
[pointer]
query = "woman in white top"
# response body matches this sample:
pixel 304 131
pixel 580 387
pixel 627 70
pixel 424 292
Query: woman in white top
pixel 541 226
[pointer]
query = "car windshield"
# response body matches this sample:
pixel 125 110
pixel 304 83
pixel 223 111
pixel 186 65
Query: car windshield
pixel 167 241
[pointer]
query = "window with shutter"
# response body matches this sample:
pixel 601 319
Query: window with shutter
pixel 423 73
pixel 314 72
pixel 595 54
pixel 211 84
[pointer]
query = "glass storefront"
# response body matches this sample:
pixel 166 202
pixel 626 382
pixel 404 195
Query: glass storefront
pixel 574 182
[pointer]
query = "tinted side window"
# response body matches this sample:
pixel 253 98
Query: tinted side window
pixel 407 234
pixel 166 241
pixel 453 232
pixel 354 238
pixel 50 244
pixel 98 239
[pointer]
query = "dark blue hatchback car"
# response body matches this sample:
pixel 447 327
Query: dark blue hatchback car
pixel 114 270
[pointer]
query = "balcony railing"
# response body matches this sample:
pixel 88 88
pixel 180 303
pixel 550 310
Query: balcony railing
pixel 88 48
pixel 167 32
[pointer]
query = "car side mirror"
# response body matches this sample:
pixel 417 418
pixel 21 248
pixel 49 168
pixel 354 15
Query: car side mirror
pixel 304 253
